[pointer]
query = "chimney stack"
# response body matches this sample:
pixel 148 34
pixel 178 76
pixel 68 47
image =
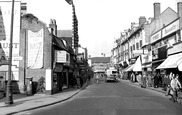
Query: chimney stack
pixel 179 11
pixel 157 10
pixel 142 20
pixel 53 26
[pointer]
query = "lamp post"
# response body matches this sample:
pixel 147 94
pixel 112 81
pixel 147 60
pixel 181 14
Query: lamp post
pixel 9 94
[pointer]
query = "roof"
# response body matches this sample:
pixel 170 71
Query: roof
pixel 100 59
pixel 64 33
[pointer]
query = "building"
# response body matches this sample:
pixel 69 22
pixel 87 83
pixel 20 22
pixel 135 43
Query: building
pixel 154 41
pixel 100 64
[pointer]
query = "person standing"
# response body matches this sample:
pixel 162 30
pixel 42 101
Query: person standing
pixel 144 80
pixel 155 80
pixel 178 82
pixel 173 88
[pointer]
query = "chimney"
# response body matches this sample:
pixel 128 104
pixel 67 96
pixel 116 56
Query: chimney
pixel 142 20
pixel 157 10
pixel 179 10
pixel 53 26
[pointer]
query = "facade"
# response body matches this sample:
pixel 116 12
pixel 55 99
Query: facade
pixel 154 41
pixel 45 56
pixel 100 64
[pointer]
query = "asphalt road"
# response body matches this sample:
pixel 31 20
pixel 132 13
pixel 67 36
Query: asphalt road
pixel 119 98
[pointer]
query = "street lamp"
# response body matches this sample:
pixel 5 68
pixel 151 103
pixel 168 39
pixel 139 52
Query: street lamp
pixel 9 94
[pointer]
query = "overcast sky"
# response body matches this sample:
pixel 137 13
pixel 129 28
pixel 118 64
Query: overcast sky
pixel 99 21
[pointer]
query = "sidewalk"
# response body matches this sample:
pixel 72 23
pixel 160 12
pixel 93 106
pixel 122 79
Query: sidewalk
pixel 37 101
pixel 159 89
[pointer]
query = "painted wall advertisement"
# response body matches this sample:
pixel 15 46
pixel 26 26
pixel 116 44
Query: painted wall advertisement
pixel 35 49
pixel 5 24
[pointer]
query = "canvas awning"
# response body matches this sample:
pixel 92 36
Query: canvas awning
pixel 138 65
pixel 129 68
pixel 172 61
pixel 58 42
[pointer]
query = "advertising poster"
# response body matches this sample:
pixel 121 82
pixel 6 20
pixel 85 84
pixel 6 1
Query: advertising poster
pixel 35 49
pixel 5 24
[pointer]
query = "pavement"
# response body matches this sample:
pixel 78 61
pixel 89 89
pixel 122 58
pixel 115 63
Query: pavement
pixel 25 103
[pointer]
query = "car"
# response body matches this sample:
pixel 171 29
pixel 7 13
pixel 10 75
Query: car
pixel 111 75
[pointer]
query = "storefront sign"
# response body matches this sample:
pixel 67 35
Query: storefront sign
pixel 35 49
pixel 62 56
pixel 5 24
pixel 170 28
pixel 155 37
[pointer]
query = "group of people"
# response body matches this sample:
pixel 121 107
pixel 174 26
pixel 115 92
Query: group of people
pixel 174 86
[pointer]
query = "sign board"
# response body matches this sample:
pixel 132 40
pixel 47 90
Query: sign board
pixel 170 28
pixel 35 49
pixel 62 56
pixel 5 28
pixel 156 36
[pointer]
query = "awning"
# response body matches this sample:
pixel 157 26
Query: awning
pixel 172 61
pixel 58 68
pixel 138 65
pixel 58 42
pixel 129 68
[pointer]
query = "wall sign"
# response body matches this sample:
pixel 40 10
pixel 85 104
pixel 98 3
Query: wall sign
pixel 156 36
pixel 35 49
pixel 170 28
pixel 5 27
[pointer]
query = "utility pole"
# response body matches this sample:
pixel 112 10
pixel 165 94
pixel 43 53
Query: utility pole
pixel 9 94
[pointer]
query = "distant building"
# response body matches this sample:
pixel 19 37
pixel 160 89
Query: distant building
pixel 100 64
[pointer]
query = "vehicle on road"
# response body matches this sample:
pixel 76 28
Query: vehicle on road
pixel 111 75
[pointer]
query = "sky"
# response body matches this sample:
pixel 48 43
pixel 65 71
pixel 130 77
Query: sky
pixel 100 22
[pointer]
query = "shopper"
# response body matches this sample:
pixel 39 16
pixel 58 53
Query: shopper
pixel 155 80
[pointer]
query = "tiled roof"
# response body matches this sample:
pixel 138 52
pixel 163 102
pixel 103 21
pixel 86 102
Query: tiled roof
pixel 100 59
pixel 64 33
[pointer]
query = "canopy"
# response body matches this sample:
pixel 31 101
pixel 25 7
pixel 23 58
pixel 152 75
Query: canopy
pixel 138 65
pixel 129 68
pixel 172 61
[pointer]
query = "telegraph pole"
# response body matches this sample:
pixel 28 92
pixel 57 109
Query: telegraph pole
pixel 9 94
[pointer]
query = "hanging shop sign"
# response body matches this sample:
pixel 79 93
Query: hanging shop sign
pixel 5 27
pixel 35 49
pixel 170 28
pixel 62 57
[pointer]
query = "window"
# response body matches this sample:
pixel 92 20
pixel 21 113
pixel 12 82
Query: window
pixel 140 43
pixel 133 46
pixel 178 37
pixel 137 46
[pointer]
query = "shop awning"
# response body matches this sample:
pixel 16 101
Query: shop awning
pixel 138 65
pixel 172 61
pixel 129 68
pixel 58 42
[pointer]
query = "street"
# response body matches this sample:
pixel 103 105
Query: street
pixel 120 98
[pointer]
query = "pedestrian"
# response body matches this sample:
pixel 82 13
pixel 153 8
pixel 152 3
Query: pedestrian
pixel 155 80
pixel 178 82
pixel 144 80
pixel 173 90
